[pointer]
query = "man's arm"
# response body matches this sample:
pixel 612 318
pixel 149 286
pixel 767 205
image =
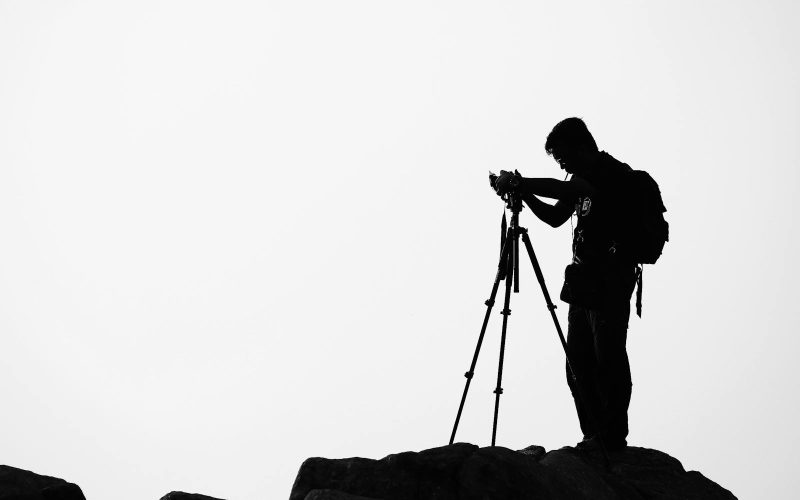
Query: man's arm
pixel 554 215
pixel 566 192
pixel 569 190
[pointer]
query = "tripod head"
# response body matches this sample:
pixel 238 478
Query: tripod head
pixel 513 202
pixel 512 198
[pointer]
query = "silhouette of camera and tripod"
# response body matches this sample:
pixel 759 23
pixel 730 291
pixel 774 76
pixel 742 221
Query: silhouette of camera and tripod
pixel 508 271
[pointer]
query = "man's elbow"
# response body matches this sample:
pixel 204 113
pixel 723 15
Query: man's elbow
pixel 557 221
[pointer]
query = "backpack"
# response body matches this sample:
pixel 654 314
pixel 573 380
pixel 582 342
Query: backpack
pixel 644 230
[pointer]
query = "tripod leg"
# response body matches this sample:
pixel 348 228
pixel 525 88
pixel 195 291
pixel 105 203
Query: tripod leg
pixel 516 265
pixel 501 269
pixel 550 305
pixel 552 308
pixel 506 312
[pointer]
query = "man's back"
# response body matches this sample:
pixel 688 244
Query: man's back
pixel 600 215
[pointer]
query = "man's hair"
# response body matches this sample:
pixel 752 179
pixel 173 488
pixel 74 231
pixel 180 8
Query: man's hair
pixel 568 134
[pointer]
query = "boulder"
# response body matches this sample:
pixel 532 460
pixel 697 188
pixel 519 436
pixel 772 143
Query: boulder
pixel 180 495
pixel 19 484
pixel 464 471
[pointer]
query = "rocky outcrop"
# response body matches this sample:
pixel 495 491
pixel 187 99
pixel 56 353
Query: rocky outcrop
pixel 465 472
pixel 18 484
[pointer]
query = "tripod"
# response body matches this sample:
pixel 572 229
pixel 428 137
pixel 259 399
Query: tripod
pixel 508 270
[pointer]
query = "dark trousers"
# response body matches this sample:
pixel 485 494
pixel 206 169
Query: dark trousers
pixel 596 345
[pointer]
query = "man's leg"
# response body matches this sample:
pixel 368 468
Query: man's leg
pixel 580 346
pixel 610 327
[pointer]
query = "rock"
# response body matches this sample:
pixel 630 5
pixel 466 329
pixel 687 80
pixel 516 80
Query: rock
pixel 333 495
pixel 465 472
pixel 19 484
pixel 179 495
pixel 534 451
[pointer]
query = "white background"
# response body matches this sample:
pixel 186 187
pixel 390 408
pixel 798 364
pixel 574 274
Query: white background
pixel 239 234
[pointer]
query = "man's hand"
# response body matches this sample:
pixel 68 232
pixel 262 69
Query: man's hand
pixel 506 182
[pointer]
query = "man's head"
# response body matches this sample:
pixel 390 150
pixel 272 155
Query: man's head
pixel 571 144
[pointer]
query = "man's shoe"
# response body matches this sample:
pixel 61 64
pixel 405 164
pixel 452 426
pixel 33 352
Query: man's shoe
pixel 593 444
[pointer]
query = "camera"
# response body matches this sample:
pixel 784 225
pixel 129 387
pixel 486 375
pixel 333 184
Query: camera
pixel 512 185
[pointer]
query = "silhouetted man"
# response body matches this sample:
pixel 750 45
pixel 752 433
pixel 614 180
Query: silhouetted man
pixel 599 282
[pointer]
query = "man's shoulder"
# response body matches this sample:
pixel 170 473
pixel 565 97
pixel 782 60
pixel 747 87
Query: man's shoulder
pixel 613 165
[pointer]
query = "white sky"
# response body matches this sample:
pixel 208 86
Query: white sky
pixel 239 234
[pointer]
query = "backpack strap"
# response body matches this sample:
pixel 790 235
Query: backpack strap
pixel 639 273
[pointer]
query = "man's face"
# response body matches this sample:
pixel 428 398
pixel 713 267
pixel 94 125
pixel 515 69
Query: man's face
pixel 575 160
pixel 567 160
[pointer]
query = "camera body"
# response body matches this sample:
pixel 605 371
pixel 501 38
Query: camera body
pixel 494 177
pixel 509 195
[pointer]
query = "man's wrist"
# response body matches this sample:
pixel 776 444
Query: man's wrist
pixel 526 186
